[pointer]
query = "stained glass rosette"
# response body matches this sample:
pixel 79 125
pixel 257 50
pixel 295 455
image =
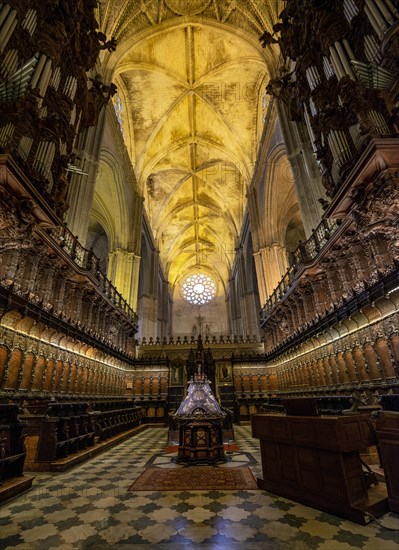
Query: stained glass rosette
pixel 199 289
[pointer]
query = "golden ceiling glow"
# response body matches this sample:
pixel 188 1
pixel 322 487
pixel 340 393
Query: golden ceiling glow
pixel 191 88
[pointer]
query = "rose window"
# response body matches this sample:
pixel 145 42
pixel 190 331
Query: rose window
pixel 199 289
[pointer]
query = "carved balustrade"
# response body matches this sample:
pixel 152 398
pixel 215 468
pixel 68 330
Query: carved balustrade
pixel 356 266
pixel 193 341
pixel 88 261
pixel 305 254
pixel 46 270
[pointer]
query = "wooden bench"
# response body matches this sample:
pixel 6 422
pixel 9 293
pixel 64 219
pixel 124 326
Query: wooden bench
pixel 114 417
pixel 334 404
pixel 272 405
pixel 67 428
pixel 59 430
pixel 12 448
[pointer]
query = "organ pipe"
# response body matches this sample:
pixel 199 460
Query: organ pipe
pixel 344 60
pixel 38 70
pixel 373 21
pixel 376 14
pixel 8 23
pixel 338 68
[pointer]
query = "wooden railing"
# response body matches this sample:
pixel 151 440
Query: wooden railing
pixel 193 340
pixel 86 259
pixel 304 255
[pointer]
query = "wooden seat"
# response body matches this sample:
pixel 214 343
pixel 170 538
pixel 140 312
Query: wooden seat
pixel 12 447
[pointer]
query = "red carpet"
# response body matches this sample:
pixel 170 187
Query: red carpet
pixel 195 478
pixel 232 447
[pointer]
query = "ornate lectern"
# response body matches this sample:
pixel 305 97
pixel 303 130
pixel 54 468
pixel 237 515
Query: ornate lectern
pixel 316 461
pixel 200 420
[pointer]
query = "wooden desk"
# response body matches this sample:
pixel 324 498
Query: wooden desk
pixel 316 461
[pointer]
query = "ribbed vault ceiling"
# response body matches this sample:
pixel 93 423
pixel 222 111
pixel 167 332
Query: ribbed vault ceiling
pixel 191 75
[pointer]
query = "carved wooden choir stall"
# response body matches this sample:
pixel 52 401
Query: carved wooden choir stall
pixel 62 434
pixel 12 453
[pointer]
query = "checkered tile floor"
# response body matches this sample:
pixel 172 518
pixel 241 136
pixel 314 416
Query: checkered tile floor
pixel 89 507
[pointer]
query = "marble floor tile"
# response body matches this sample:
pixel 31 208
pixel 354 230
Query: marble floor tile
pixel 157 533
pixel 90 508
pixel 198 533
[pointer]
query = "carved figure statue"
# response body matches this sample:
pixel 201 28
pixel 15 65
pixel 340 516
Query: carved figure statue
pixel 267 39
pixel 98 96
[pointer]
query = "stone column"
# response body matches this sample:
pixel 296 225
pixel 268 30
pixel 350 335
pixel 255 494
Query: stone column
pixel 246 294
pixel 149 298
pixel 257 243
pixel 123 271
pixel 307 178
pixel 274 259
pixel 261 268
pixel 164 307
pixel 81 189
